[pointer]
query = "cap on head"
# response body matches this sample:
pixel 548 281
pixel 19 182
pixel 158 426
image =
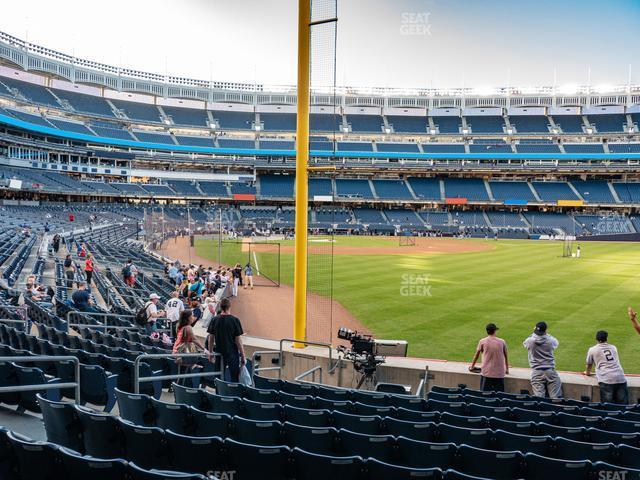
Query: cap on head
pixel 491 328
pixel 541 328
pixel 602 335
pixel 154 296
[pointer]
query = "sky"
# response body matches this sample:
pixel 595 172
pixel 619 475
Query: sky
pixel 380 43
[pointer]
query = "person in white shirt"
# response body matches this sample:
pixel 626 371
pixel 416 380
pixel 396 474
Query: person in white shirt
pixel 174 307
pixel 153 313
pixel 609 372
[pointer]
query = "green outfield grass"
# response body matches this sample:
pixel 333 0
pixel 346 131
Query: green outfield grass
pixel 514 285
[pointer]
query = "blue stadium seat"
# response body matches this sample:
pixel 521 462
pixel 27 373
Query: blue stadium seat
pixel 61 424
pixel 503 465
pixel 573 450
pixel 420 454
pixel 313 466
pixel 416 416
pixel 475 437
pixel 258 432
pixel 257 395
pixel 544 468
pixel 596 435
pixel 380 447
pixel 320 440
pixel 368 425
pixel 136 408
pixel 262 411
pixel 34 376
pixel 572 433
pixel 253 461
pixel 206 424
pixel 307 417
pixel 35 460
pixel 503 440
pixel 144 445
pixel 377 470
pixel 221 404
pixel 382 411
pixel 137 473
pixel 299 401
pixel 463 421
pixel 422 431
pixel 193 397
pixel 172 416
pixel 77 467
pixel 100 434
pixel 344 406
pixel 195 454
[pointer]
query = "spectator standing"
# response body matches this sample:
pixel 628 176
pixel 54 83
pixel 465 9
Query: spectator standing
pixel 541 347
pixel 89 267
pixel 248 276
pixel 69 271
pixel 609 372
pixel 82 250
pixel 56 243
pixel 129 273
pixel 151 309
pixel 186 342
pixel 225 337
pixel 495 361
pixel 174 308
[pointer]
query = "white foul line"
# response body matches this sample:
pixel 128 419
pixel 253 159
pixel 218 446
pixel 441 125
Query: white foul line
pixel 255 260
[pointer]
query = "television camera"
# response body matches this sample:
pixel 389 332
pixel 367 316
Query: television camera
pixel 364 354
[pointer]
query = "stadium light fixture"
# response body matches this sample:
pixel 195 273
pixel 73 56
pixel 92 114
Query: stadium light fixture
pixel 465 131
pixel 213 126
pixel 387 130
pixel 432 131
pixel 167 121
pixel 509 131
pixel 589 131
pixel 345 129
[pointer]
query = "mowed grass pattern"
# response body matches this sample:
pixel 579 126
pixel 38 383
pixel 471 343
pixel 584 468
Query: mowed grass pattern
pixel 515 285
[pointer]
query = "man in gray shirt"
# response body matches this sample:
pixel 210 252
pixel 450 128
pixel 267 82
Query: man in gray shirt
pixel 544 377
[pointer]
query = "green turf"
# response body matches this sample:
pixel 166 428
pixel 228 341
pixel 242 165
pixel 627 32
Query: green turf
pixel 514 285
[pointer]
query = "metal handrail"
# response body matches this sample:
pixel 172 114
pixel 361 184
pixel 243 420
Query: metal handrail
pixel 106 326
pixel 267 369
pixel 313 344
pixel 45 386
pixel 137 380
pixel 311 371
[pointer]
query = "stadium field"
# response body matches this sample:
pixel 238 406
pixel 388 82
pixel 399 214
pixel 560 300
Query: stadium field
pixel 440 302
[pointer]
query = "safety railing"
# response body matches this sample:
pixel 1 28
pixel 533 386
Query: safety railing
pixel 258 353
pixel 45 386
pixel 421 389
pixel 21 321
pixel 137 379
pixel 106 326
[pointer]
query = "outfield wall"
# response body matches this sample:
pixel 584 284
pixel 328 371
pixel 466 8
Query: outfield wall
pixel 409 371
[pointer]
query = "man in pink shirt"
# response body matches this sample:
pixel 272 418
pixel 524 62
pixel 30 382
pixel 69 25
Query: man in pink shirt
pixel 495 363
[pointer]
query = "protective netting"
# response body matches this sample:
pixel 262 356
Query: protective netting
pixel 321 240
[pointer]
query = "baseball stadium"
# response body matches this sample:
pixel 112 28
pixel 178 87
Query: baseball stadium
pixel 339 256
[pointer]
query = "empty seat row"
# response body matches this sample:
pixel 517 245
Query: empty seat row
pixel 24 459
pixel 105 436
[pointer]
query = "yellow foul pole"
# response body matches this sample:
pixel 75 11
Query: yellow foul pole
pixel 302 162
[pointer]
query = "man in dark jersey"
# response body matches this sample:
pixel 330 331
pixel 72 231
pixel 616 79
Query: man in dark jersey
pixel 225 333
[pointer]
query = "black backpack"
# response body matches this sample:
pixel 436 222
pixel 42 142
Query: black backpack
pixel 142 316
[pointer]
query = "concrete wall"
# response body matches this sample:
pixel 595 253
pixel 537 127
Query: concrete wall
pixel 409 371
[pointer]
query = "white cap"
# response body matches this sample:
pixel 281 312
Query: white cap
pixel 154 296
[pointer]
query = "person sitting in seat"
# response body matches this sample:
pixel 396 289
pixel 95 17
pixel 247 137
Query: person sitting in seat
pixel 82 299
